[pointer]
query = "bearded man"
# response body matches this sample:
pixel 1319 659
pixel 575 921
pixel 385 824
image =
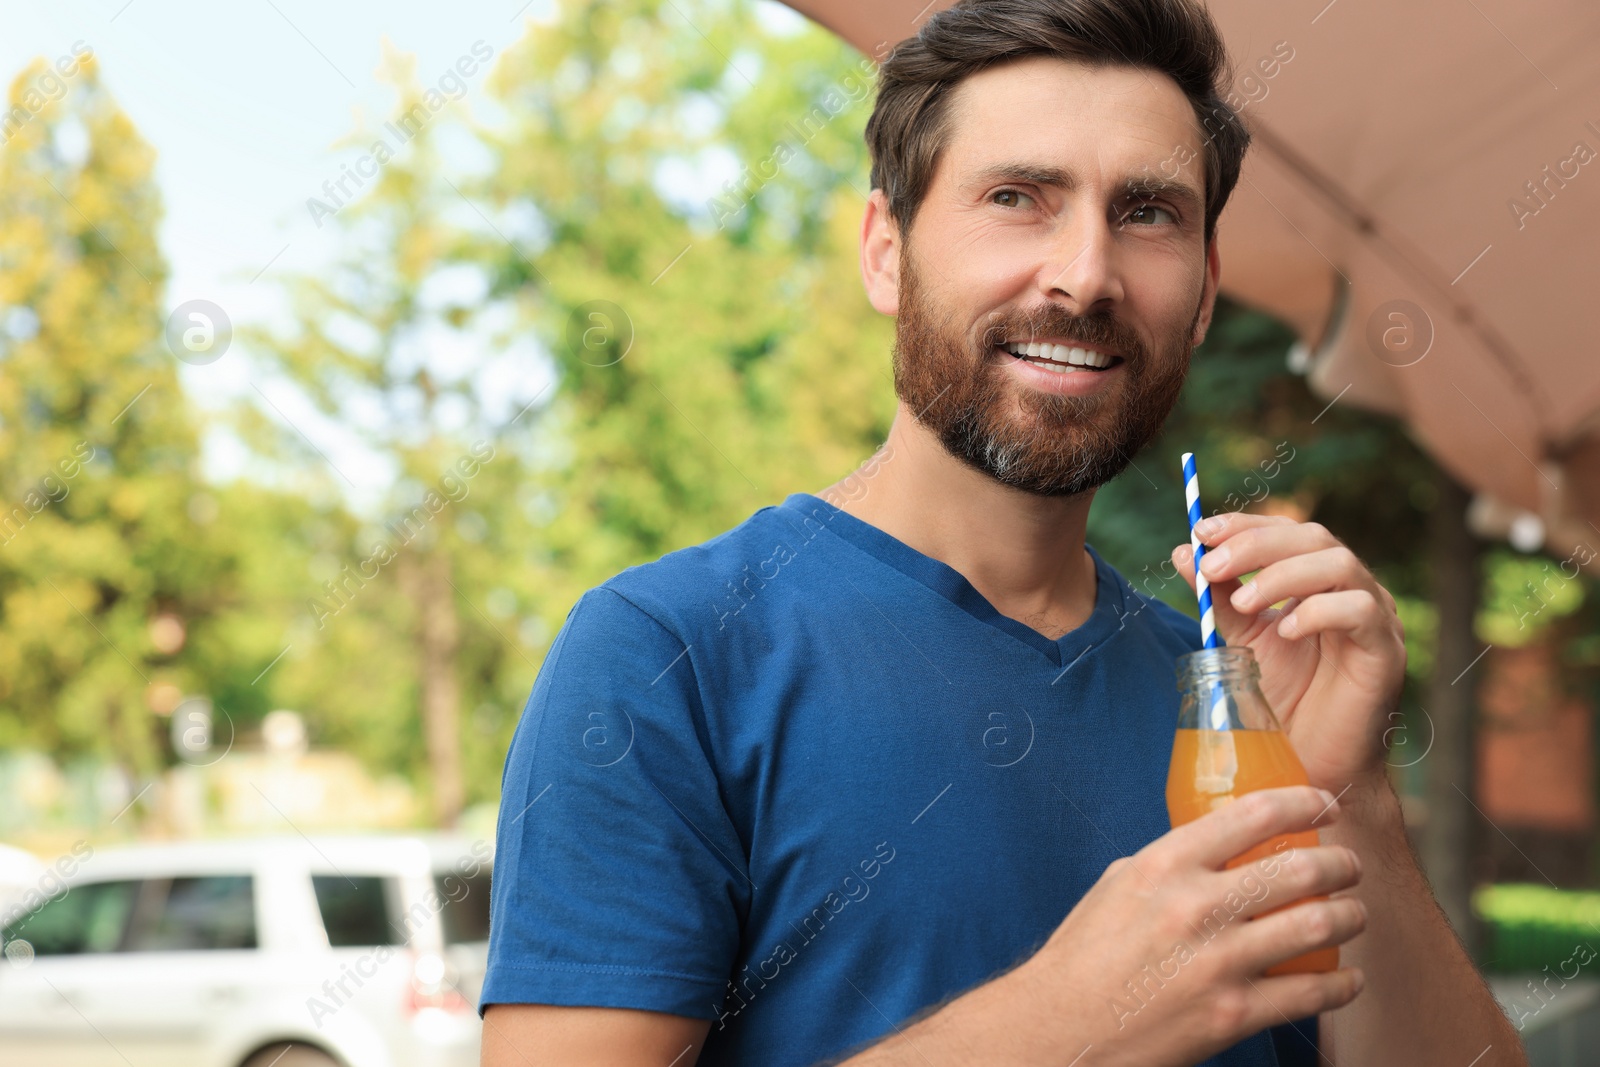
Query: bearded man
pixel 881 770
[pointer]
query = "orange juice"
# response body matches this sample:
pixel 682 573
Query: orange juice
pixel 1211 768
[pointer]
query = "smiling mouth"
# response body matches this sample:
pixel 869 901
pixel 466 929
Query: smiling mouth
pixel 1061 359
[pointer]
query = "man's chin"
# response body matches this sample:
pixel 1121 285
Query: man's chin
pixel 1054 414
pixel 1046 487
pixel 1065 462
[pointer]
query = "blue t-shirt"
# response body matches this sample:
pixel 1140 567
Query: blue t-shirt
pixel 805 782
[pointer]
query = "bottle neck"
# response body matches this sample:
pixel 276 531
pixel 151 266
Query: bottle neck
pixel 1229 668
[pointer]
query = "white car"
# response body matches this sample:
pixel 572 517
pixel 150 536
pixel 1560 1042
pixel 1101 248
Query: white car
pixel 294 952
pixel 20 873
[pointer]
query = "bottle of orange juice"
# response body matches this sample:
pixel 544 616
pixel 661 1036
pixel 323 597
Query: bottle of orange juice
pixel 1228 744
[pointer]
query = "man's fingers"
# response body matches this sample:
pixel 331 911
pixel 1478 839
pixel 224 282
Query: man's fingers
pixel 1219 527
pixel 1295 564
pixel 1234 829
pixel 1298 996
pixel 1301 576
pixel 1227 619
pixel 1183 562
pixel 1282 879
pixel 1273 939
pixel 1253 549
pixel 1355 612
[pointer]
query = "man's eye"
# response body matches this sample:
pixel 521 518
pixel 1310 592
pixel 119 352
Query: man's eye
pixel 1016 198
pixel 1144 215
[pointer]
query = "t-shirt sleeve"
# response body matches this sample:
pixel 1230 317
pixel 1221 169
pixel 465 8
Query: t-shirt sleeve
pixel 619 879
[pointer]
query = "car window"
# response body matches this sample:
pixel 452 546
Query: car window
pixel 195 914
pixel 88 918
pixel 357 910
pixel 464 906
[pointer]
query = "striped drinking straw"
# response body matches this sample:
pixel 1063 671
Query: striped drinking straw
pixel 1202 588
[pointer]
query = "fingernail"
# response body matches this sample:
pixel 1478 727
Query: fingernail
pixel 1358 980
pixel 1205 526
pixel 1328 799
pixel 1215 559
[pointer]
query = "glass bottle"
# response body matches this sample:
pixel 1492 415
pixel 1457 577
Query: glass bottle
pixel 1228 744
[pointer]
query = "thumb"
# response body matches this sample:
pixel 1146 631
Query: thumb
pixel 1183 563
pixel 1230 624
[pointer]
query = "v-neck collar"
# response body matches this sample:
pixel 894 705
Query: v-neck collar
pixel 943 579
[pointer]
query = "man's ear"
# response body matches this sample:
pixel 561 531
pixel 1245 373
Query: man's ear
pixel 1208 295
pixel 880 255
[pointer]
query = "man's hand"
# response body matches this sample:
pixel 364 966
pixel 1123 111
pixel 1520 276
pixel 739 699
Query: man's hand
pixel 1332 655
pixel 1157 964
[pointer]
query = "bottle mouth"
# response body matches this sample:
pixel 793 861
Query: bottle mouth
pixel 1229 665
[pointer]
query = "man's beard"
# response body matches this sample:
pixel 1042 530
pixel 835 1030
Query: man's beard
pixel 1041 443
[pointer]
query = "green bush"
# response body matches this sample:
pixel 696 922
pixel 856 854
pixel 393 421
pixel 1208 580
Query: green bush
pixel 1530 927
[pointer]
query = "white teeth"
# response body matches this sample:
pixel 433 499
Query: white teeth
pixel 1059 354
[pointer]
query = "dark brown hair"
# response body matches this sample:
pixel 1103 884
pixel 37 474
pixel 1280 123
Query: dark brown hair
pixel 909 126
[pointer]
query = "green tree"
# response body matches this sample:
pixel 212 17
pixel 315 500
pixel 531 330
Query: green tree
pixel 98 455
pixel 697 379
pixel 390 341
pixel 125 580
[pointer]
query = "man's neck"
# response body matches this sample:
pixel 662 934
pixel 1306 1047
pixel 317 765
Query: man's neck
pixel 1024 553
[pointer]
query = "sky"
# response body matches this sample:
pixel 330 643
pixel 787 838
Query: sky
pixel 243 102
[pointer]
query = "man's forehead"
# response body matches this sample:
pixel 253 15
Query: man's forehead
pixel 1052 110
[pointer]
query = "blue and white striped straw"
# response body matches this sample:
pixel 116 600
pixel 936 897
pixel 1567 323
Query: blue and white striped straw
pixel 1202 588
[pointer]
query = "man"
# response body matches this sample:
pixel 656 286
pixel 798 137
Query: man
pixel 881 770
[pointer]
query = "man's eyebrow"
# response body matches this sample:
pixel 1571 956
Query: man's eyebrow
pixel 1139 188
pixel 1030 173
pixel 1146 188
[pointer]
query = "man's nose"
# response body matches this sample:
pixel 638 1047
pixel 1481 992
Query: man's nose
pixel 1083 265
